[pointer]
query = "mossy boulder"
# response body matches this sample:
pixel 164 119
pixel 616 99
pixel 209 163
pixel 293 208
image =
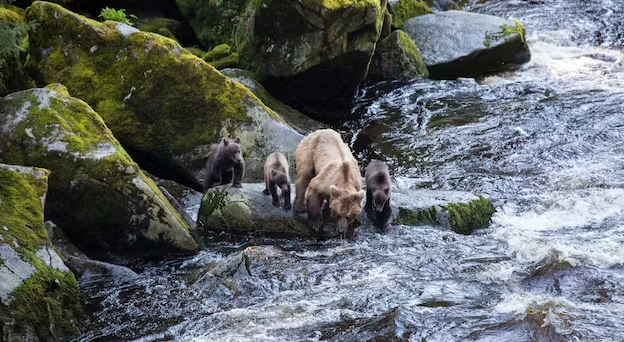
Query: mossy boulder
pixel 165 105
pixel 14 47
pixel 461 212
pixel 163 26
pixel 311 52
pixel 462 44
pixel 407 9
pixel 396 58
pixel 221 57
pixel 97 193
pixel 293 117
pixel 247 209
pixel 39 296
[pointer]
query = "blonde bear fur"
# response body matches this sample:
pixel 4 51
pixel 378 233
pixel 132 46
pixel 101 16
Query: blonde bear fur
pixel 326 170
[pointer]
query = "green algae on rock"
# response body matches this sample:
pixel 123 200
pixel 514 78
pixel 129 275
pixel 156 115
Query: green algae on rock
pixel 160 100
pixel 397 57
pixel 97 193
pixel 39 296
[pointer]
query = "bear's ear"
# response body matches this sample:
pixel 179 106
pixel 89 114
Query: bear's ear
pixel 334 191
pixel 237 140
pixel 225 142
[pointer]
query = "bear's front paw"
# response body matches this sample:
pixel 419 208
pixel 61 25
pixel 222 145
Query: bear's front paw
pixel 299 207
pixel 275 204
pixel 287 206
pixel 316 224
pixel 266 192
pixel 237 185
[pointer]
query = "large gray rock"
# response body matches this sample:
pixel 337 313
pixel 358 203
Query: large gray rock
pixel 96 192
pixel 39 296
pixel 248 210
pixel 462 44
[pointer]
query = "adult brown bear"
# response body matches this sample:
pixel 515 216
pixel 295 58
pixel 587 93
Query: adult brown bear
pixel 225 164
pixel 378 194
pixel 276 175
pixel 326 170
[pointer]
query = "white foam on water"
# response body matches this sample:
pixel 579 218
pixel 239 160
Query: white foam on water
pixel 531 236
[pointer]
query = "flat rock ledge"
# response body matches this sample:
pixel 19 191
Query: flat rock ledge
pixel 247 209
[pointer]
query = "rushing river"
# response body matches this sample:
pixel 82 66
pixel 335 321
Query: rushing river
pixel 545 143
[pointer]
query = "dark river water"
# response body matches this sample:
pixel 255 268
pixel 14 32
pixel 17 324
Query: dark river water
pixel 545 143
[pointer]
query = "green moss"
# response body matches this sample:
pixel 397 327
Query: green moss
pixel 407 9
pixel 153 94
pixel 506 30
pixel 219 52
pixel 415 217
pixel 49 301
pixel 59 88
pixel 196 51
pixel 413 54
pixel 21 207
pixel 213 200
pixel 464 218
pixel 155 25
pixel 339 4
pixel 226 62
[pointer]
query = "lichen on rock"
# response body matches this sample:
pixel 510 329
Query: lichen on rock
pixel 39 296
pixel 96 192
pixel 407 9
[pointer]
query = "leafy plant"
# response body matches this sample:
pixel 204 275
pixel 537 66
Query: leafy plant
pixel 12 38
pixel 119 15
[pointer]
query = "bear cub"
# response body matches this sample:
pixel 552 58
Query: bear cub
pixel 276 176
pixel 378 194
pixel 225 164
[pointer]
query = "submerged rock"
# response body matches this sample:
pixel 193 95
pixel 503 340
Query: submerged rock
pixel 39 296
pixel 165 105
pixel 248 210
pixel 96 192
pixel 462 44
pixel 396 58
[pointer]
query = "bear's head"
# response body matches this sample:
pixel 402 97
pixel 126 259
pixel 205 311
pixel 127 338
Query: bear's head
pixel 380 197
pixel 345 205
pixel 232 150
pixel 280 178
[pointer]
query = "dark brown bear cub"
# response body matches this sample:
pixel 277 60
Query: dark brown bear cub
pixel 378 194
pixel 276 175
pixel 225 164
